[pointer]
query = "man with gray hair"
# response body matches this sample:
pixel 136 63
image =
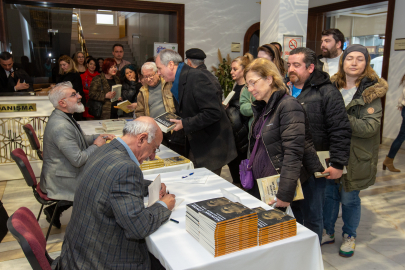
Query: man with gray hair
pixel 208 132
pixel 195 59
pixel 66 148
pixel 109 221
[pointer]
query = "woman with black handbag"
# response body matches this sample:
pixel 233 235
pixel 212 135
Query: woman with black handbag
pixel 100 91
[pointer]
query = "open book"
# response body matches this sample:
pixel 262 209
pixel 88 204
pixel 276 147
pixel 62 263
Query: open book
pixel 123 106
pixel 268 188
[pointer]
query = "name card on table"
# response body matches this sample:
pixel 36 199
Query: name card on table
pixel 6 108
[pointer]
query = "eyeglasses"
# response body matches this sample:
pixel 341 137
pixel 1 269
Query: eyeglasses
pixel 75 94
pixel 253 83
pixel 157 150
pixel 149 77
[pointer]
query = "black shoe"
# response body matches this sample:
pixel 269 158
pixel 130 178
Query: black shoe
pixel 56 221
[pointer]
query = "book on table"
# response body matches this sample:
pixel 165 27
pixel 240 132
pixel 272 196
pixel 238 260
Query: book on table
pixel 172 161
pixel 324 158
pixel 113 125
pixel 268 188
pixel 164 123
pixel 117 89
pixel 274 225
pixel 123 106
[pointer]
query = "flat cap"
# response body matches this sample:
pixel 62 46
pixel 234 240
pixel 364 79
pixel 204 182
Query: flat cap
pixel 195 53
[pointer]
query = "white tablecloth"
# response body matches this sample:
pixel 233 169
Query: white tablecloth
pixel 177 249
pixel 89 127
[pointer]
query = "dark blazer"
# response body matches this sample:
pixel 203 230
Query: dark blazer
pixel 213 79
pixel 7 84
pixel 109 222
pixel 205 123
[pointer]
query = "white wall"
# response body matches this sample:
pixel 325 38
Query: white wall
pixel 392 118
pixel 213 24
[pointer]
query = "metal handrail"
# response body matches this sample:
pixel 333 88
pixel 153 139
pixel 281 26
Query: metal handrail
pixel 82 41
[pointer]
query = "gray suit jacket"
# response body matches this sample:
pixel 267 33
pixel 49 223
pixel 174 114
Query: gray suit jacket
pixel 109 221
pixel 66 150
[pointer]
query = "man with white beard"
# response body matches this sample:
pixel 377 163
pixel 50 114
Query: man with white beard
pixel 65 149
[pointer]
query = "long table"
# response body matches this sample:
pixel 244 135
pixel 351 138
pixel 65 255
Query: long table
pixel 89 128
pixel 177 249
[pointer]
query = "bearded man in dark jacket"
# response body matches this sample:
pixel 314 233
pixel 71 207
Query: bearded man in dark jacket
pixel 329 127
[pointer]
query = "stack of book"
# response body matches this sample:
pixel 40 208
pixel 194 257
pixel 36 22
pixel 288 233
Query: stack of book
pixel 152 164
pixel 112 126
pixel 176 161
pixel 228 228
pixel 274 225
pixel 193 209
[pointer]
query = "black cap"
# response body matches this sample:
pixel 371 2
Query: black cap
pixel 195 53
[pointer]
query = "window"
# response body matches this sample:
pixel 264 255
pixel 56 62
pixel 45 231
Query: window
pixel 105 17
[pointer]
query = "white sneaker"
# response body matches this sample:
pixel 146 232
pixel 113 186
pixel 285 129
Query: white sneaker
pixel 348 246
pixel 327 239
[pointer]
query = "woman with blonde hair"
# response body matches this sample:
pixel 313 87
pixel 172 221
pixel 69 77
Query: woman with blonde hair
pixel 278 143
pixel 362 91
pixel 239 122
pixel 80 62
pixel 68 73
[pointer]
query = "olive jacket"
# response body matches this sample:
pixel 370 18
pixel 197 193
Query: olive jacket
pixel 364 112
pixel 142 109
pixel 97 92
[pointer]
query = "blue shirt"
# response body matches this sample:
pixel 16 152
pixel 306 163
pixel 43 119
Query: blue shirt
pixel 132 156
pixel 295 91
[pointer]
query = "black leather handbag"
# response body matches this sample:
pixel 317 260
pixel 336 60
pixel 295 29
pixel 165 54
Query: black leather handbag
pixel 3 221
pixel 95 106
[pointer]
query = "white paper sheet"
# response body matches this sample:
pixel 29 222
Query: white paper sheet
pixel 230 196
pixel 195 177
pixel 154 190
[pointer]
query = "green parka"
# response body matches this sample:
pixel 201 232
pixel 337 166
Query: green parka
pixel 364 112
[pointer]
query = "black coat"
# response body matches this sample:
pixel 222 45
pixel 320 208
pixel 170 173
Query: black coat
pixel 76 80
pixel 328 121
pixel 7 84
pixel 287 141
pixel 239 123
pixel 205 123
pixel 213 79
pixel 129 91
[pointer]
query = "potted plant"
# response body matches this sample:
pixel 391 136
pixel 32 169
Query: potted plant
pixel 223 73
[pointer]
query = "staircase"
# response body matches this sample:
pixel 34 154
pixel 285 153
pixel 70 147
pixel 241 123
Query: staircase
pixel 103 49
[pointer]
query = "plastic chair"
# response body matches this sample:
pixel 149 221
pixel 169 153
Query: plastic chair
pixel 23 163
pixel 32 137
pixel 23 226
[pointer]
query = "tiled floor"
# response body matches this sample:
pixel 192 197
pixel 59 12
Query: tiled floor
pixel 380 240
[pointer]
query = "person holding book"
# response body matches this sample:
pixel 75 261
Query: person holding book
pixel 130 87
pixel 279 142
pixel 362 91
pixel 87 77
pixel 239 122
pixel 100 88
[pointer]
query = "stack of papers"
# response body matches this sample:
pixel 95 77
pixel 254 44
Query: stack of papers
pixel 192 210
pixel 228 228
pixel 274 225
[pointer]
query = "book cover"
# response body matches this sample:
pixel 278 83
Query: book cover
pixel 324 158
pixel 117 89
pixel 164 123
pixel 123 106
pixel 268 188
pixel 207 204
pixel 227 212
pixel 272 217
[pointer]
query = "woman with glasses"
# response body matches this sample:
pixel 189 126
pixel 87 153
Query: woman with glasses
pixel 80 62
pixel 279 130
pixel 100 88
pixel 68 73
pixel 130 87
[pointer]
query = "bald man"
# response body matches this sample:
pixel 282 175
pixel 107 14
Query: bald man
pixel 109 221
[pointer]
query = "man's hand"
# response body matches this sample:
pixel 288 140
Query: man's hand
pixel 333 173
pixel 279 203
pixel 179 124
pixel 110 95
pixel 120 99
pixel 99 141
pixel 108 136
pixel 132 106
pixel 169 200
pixel 21 86
pixel 162 191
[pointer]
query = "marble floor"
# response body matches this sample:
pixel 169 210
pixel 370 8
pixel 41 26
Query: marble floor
pixel 380 240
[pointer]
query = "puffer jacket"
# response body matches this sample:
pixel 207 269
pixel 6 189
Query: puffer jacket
pixel 365 112
pixel 328 121
pixel 142 109
pixel 288 145
pixel 97 93
pixel 239 124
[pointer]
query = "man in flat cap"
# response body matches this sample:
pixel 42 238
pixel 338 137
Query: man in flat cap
pixel 195 59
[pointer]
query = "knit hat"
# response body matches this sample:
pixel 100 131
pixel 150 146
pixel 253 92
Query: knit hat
pixel 356 48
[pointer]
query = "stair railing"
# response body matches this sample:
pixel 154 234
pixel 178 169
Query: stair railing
pixel 81 39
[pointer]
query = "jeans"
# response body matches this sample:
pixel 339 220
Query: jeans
pixel 396 144
pixel 351 208
pixel 308 211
